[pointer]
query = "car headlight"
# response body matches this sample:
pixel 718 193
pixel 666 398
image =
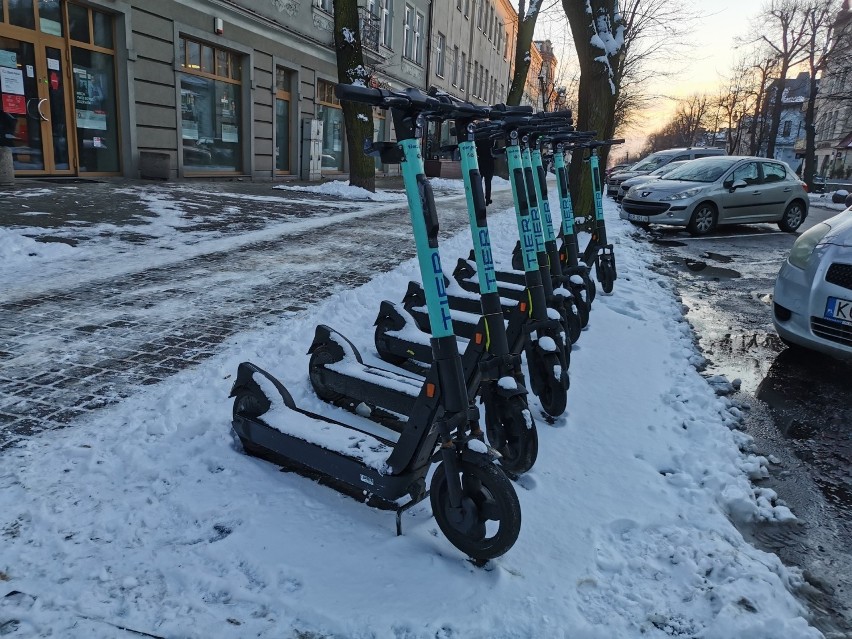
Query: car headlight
pixel 804 246
pixel 683 195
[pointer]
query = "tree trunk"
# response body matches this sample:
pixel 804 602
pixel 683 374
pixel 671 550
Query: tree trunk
pixel 357 117
pixel 598 90
pixel 523 57
pixel 777 105
pixel 810 135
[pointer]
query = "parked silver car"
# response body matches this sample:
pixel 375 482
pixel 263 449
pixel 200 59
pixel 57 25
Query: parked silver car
pixel 707 192
pixel 642 179
pixel 654 162
pixel 813 291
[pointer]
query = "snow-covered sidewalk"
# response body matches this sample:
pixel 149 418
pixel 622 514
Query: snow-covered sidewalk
pixel 149 517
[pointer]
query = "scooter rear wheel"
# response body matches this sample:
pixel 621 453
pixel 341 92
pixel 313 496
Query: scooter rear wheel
pixel 383 326
pixel 322 355
pixel 511 430
pixel 489 521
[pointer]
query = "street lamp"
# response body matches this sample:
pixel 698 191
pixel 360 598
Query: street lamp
pixel 542 79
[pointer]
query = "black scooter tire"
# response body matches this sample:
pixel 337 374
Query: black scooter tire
pixel 553 395
pixel 384 325
pixel 607 278
pixel 512 432
pixel 572 323
pixel 319 357
pixel 582 305
pixel 488 490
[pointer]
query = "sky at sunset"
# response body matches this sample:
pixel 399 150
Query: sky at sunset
pixel 710 58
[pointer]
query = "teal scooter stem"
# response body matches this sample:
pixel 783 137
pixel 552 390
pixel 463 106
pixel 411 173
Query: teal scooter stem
pixel 546 347
pixel 561 287
pixel 599 249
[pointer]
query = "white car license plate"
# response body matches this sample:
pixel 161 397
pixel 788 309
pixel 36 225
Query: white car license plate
pixel 638 218
pixel 839 310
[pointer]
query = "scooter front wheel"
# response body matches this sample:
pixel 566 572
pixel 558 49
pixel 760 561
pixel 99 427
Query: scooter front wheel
pixel 511 430
pixel 553 394
pixel 489 520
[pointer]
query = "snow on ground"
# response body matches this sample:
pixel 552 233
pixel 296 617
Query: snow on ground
pixel 341 188
pixel 149 517
pixel 823 200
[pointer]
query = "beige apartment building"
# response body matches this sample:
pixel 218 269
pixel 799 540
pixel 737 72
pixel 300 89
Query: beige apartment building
pixel 221 88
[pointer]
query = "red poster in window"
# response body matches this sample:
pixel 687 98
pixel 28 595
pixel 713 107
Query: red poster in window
pixel 54 80
pixel 14 103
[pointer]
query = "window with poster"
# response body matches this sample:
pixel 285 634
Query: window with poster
pixel 210 103
pixel 329 111
pixel 93 72
pixel 282 120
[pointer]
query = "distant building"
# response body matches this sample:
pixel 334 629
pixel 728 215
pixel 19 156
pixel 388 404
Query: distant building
pixel 834 105
pixel 222 88
pixel 794 95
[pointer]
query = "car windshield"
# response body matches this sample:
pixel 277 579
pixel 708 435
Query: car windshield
pixel 668 168
pixel 705 170
pixel 649 163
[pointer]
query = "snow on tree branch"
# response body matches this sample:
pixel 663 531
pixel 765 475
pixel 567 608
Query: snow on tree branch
pixel 348 35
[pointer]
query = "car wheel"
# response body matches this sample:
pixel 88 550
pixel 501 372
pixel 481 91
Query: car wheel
pixel 793 217
pixel 703 219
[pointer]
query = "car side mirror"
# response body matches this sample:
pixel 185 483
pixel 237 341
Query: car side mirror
pixel 733 186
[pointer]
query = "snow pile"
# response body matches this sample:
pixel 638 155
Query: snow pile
pixel 19 252
pixel 343 190
pixel 149 517
pixel 824 201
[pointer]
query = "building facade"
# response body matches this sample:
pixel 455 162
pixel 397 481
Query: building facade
pixel 196 88
pixel 791 127
pixel 834 105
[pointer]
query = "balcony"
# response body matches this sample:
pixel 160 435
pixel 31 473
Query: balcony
pixel 369 26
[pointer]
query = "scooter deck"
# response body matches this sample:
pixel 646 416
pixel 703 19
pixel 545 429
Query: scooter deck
pixel 344 457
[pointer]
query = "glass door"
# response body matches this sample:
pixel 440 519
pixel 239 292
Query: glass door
pixel 34 106
pixel 53 109
pixel 20 96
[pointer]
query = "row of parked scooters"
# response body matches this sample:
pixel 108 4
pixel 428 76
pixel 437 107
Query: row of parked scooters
pixel 427 399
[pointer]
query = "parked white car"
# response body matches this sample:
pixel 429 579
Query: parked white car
pixel 813 292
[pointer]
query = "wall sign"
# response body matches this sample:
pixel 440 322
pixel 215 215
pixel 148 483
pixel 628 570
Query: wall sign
pixel 14 104
pixel 11 81
pixel 8 59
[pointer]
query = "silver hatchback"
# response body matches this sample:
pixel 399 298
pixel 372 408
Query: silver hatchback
pixel 708 192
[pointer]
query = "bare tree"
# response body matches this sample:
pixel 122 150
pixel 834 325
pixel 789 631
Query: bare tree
pixel 598 32
pixel 686 127
pixel 357 117
pixel 761 71
pixel 524 40
pixel 734 101
pixel 785 22
pixel 655 39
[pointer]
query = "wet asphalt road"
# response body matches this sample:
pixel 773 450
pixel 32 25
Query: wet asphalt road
pixel 798 406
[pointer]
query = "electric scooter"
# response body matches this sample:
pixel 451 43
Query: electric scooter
pixel 473 501
pixel 490 370
pixel 598 250
pixel 511 283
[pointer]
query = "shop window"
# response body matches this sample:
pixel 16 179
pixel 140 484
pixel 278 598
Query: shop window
pixel 95 106
pixel 22 13
pixel 282 120
pixel 210 107
pixel 50 17
pixel 78 23
pixel 329 111
pixel 102 26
